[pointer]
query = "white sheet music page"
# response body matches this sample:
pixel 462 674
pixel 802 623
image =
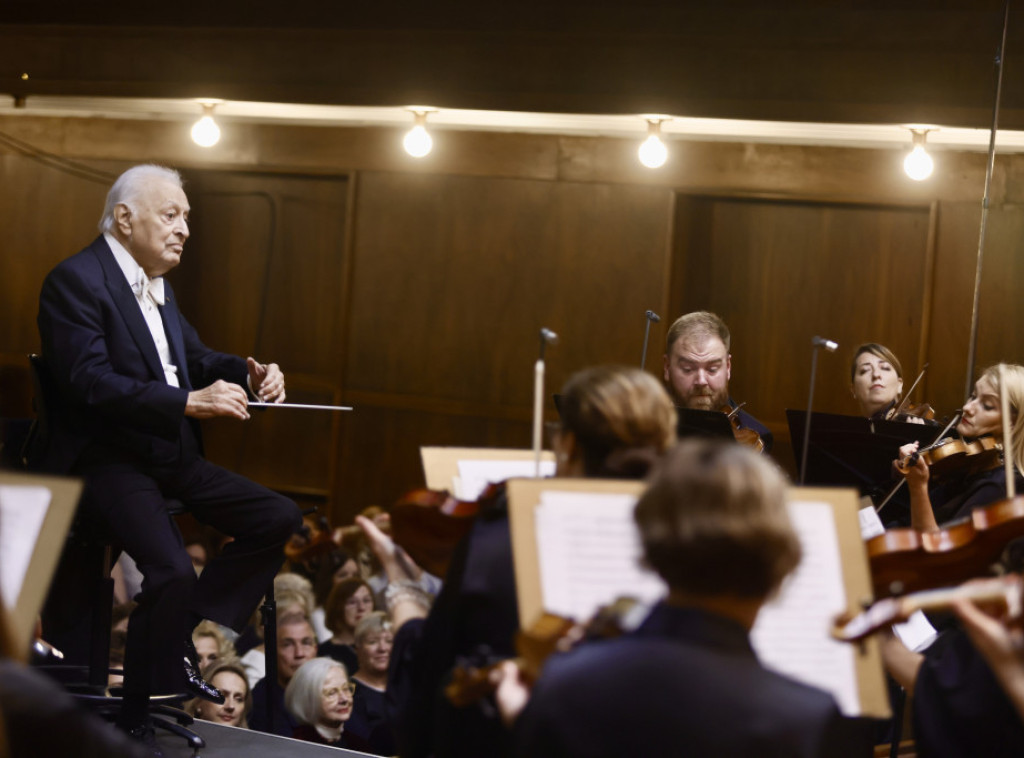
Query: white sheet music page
pixel 22 511
pixel 474 476
pixel 792 631
pixel 589 552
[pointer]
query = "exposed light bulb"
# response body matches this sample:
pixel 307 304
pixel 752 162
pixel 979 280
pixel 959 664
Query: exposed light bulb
pixel 652 152
pixel 417 142
pixel 918 164
pixel 205 131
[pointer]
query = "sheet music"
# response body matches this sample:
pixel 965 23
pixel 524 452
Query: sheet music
pixel 22 511
pixel 589 553
pixel 791 635
pixel 475 475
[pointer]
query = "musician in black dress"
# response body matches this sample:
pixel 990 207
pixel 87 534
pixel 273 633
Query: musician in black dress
pixel 960 707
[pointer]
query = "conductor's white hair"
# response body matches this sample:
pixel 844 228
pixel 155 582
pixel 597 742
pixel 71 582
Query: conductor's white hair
pixel 129 187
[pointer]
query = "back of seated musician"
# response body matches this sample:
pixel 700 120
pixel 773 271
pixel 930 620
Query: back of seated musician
pixel 698 367
pixel 714 525
pixel 615 423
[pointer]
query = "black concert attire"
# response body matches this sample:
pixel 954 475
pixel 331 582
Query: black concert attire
pixel 308 733
pixel 960 710
pixel 284 722
pixel 369 719
pixel 956 498
pixel 341 652
pixel 686 682
pixel 475 617
pixel 119 422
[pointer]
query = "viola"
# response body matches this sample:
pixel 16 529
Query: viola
pixel 999 596
pixel 905 560
pixel 549 634
pixel 428 524
pixel 907 410
pixel 747 437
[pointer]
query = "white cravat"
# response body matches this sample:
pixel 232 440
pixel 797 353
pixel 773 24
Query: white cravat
pixel 149 293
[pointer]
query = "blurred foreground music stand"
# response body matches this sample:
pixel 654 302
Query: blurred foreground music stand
pixel 853 451
pixel 695 423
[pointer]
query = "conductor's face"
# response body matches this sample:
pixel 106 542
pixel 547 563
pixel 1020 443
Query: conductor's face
pixel 155 232
pixel 697 370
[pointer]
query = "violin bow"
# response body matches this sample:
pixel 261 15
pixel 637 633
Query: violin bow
pixel 906 398
pixel 1004 409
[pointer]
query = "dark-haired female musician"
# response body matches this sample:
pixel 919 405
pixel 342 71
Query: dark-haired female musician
pixel 876 383
pixel 615 423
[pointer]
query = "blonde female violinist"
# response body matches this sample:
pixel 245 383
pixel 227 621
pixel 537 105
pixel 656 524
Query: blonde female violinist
pixel 973 486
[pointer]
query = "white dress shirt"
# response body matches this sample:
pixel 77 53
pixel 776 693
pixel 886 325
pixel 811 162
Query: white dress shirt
pixel 149 293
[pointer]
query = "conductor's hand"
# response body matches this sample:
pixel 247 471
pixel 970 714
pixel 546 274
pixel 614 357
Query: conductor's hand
pixel 266 381
pixel 219 399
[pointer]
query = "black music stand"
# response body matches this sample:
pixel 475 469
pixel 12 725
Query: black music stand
pixel 853 451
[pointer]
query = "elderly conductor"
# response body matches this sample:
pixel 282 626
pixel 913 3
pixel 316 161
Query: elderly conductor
pixel 131 377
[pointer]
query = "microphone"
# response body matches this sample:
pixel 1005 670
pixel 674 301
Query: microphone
pixel 827 344
pixel 548 336
pixel 652 318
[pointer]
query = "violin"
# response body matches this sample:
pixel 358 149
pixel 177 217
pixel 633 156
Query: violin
pixel 950 455
pixel 905 560
pixel 549 634
pixel 747 437
pixel 428 524
pixel 907 410
pixel 998 596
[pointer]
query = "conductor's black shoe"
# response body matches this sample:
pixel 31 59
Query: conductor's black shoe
pixel 143 732
pixel 194 680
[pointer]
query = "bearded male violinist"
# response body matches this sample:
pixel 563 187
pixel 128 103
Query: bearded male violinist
pixel 130 378
pixel 698 367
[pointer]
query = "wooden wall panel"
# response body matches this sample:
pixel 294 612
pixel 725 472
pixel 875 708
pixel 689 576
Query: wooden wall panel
pixel 453 277
pixel 263 275
pixel 414 291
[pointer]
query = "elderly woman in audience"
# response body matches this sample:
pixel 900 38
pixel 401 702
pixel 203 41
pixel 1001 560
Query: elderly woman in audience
pixel 347 604
pixel 319 698
pixel 228 676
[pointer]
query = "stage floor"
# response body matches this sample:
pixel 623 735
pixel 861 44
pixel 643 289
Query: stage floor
pixel 229 742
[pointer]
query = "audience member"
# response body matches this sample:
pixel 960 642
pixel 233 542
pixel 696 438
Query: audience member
pixel 296 644
pixel 319 698
pixel 228 676
pixel 347 604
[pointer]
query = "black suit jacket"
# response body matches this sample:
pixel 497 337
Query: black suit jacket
pixel 111 394
pixel 685 683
